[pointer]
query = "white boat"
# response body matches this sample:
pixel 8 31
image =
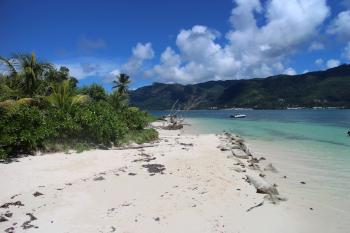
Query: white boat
pixel 238 116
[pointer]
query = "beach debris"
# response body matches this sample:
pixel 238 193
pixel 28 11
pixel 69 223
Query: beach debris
pixel 275 199
pixel 284 177
pixel 7 205
pixel 270 168
pixel 261 185
pixel 173 126
pixel 99 178
pixel 36 194
pixel 186 144
pixel 157 219
pixel 239 154
pixel 132 174
pixel 253 207
pixel 302 182
pixel 238 169
pixel 154 168
pixel 262 175
pixel 27 224
pixel 10 230
pixel 145 158
pixel 14 196
pixel 3 219
pixel 8 214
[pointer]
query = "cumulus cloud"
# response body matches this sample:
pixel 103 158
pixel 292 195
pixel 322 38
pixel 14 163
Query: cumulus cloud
pixel 290 71
pixel 340 26
pixel 250 50
pixel 332 63
pixel 140 53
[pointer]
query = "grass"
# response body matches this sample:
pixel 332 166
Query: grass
pixel 140 136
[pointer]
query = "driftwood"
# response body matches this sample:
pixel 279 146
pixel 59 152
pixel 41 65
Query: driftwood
pixel 253 207
pixel 261 185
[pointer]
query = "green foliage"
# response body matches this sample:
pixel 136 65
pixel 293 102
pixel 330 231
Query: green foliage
pixel 121 84
pixel 95 92
pixel 134 118
pixel 41 108
pixel 63 96
pixel 23 129
pixel 140 136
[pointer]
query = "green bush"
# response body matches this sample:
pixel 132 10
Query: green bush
pixel 134 118
pixel 140 136
pixel 99 123
pixel 23 128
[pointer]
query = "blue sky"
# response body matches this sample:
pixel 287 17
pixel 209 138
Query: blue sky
pixel 179 41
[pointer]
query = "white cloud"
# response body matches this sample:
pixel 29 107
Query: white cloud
pixel 340 26
pixel 140 53
pixel 314 46
pixel 250 50
pixel 332 63
pixel 319 62
pixel 290 71
pixel 82 67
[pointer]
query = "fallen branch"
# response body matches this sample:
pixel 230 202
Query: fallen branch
pixel 253 207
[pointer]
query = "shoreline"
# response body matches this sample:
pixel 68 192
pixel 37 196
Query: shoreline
pixel 182 183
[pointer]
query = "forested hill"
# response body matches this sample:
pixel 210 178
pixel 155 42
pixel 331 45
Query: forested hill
pixel 329 88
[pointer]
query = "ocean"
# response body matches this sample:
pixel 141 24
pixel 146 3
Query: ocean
pixel 304 144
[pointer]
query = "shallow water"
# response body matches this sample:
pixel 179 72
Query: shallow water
pixel 308 145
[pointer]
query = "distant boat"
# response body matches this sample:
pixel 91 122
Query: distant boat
pixel 238 116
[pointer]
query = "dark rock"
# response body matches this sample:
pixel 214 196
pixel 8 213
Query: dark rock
pixel 3 219
pixel 99 178
pixel 37 194
pixel 6 205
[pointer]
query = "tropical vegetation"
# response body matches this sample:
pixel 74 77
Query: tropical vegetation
pixel 42 108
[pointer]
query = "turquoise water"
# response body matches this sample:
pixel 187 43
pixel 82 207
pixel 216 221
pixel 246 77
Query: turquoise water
pixel 310 145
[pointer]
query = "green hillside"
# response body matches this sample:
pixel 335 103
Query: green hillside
pixel 330 88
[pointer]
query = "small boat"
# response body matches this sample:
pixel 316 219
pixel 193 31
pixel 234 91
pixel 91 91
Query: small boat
pixel 238 116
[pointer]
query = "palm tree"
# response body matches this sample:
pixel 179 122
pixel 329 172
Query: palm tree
pixel 9 65
pixel 122 82
pixel 63 96
pixel 32 71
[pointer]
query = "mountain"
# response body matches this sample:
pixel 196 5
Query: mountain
pixel 329 88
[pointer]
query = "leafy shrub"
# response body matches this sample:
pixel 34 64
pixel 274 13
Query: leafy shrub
pixel 23 128
pixel 99 123
pixel 134 118
pixel 140 136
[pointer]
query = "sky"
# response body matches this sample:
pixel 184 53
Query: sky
pixel 183 41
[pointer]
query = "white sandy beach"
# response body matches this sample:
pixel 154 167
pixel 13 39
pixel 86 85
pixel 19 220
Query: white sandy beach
pixel 193 187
